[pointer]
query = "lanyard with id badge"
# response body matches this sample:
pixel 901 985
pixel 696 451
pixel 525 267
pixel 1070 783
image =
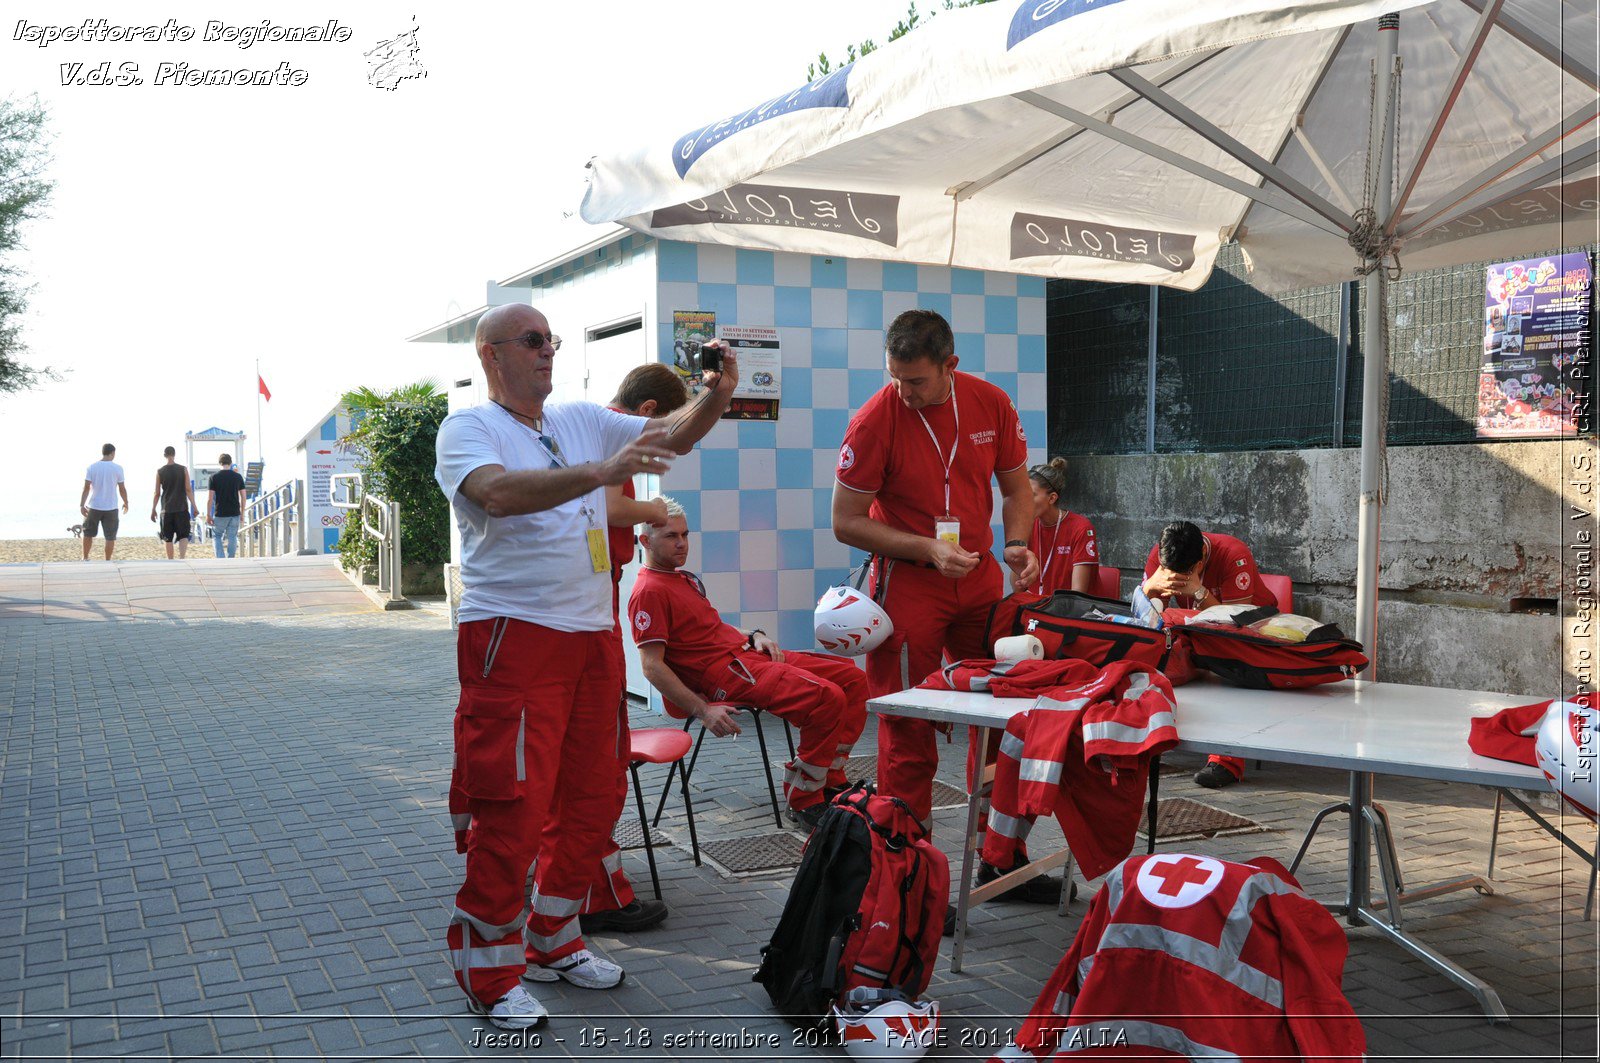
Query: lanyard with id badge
pixel 599 554
pixel 947 527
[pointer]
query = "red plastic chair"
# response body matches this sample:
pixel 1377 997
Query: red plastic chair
pixel 1108 582
pixel 1282 589
pixel 660 745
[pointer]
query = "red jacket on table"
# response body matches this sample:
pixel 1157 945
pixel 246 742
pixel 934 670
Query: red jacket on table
pixel 1510 733
pixel 1082 752
pixel 1191 957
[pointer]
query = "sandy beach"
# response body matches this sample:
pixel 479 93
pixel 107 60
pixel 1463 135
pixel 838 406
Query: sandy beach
pixel 63 548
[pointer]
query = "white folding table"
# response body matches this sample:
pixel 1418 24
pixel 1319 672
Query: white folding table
pixel 1362 728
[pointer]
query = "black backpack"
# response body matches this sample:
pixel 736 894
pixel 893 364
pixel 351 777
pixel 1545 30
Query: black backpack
pixel 866 909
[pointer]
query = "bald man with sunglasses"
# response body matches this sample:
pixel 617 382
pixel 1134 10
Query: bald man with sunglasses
pixel 540 666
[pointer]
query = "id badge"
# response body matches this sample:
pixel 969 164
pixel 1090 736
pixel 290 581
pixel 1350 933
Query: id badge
pixel 599 556
pixel 947 528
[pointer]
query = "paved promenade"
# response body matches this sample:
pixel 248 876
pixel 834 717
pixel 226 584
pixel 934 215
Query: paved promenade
pixel 223 835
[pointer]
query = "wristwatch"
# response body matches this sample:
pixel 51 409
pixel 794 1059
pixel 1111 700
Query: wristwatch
pixel 1015 542
pixel 1199 595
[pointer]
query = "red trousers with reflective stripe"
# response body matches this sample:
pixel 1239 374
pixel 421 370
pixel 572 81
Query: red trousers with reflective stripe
pixel 609 887
pixel 933 616
pixel 825 697
pixel 536 746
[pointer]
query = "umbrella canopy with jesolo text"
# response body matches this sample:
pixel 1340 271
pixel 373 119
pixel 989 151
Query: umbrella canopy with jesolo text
pixel 1126 140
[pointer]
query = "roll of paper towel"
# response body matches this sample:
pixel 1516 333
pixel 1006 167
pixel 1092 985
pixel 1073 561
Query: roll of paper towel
pixel 1019 648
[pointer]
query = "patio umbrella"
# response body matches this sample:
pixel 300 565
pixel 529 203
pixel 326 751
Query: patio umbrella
pixel 1126 140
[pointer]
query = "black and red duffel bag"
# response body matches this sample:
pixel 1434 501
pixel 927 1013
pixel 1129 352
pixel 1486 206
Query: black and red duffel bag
pixel 1230 643
pixel 1078 626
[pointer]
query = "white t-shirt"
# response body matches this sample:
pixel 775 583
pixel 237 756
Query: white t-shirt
pixel 103 477
pixel 535 566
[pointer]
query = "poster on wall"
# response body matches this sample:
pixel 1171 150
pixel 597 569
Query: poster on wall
pixel 1536 323
pixel 760 373
pixel 691 328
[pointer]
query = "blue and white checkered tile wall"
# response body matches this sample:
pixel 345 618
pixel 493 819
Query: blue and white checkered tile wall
pixel 760 493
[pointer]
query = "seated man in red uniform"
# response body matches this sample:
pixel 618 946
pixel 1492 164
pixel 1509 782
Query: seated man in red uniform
pixel 693 658
pixel 1192 569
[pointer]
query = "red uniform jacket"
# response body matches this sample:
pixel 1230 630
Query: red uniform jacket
pixel 1192 957
pixel 1082 752
pixel 1509 734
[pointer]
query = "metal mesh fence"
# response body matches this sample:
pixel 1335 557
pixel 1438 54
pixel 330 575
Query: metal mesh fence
pixel 1435 320
pixel 1098 339
pixel 1238 369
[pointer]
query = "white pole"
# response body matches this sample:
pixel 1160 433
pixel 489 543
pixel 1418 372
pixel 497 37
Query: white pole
pixel 1375 379
pixel 261 452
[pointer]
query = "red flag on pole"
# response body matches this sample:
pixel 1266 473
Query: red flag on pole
pixel 261 385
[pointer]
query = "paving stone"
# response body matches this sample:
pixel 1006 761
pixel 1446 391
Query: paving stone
pixel 219 852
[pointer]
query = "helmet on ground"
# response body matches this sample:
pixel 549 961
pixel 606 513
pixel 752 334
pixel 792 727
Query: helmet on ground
pixel 850 622
pixel 885 1024
pixel 1565 749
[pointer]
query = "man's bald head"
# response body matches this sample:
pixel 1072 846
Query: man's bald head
pixel 499 323
pixel 516 375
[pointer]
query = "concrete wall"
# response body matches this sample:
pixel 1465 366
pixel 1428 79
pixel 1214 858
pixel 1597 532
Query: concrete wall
pixel 1469 532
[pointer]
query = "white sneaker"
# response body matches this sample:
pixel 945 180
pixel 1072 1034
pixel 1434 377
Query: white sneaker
pixel 583 969
pixel 518 1010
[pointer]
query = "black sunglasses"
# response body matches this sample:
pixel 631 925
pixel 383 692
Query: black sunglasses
pixel 534 340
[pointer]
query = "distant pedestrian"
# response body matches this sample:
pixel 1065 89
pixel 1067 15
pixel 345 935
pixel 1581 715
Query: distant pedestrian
pixel 224 504
pixel 174 502
pixel 102 483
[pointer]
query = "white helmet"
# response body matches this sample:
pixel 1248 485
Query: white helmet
pixel 1565 748
pixel 850 622
pixel 885 1024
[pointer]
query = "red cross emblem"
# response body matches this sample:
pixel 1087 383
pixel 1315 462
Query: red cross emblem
pixel 1174 876
pixel 1178 880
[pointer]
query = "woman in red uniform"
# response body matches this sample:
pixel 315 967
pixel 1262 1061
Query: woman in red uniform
pixel 1062 541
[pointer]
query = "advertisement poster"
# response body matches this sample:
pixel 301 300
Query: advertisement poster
pixel 1536 321
pixel 760 373
pixel 691 328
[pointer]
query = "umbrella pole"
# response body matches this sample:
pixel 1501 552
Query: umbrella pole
pixel 1375 379
pixel 1374 414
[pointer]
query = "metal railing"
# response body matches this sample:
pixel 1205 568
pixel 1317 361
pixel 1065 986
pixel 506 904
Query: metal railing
pixel 274 523
pixel 387 533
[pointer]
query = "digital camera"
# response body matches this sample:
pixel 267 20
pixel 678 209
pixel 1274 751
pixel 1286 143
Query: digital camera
pixel 705 356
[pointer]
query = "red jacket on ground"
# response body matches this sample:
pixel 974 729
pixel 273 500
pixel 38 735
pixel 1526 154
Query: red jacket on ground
pixel 1191 957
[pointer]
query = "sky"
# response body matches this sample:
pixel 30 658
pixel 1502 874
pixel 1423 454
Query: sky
pixel 196 231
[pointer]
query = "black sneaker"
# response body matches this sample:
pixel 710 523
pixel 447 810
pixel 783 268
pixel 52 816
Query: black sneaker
pixel 637 914
pixel 808 817
pixel 949 920
pixel 1214 777
pixel 1045 889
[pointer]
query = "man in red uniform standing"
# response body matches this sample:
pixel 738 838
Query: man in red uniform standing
pixel 538 657
pixel 912 488
pixel 1192 569
pixel 696 660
